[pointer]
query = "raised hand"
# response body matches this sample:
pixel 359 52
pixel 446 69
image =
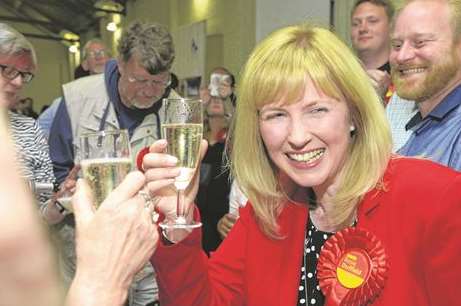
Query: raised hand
pixel 113 242
pixel 225 224
pixel 380 80
pixel 160 171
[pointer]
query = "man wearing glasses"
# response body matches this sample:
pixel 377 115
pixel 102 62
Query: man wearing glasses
pixel 128 95
pixel 95 55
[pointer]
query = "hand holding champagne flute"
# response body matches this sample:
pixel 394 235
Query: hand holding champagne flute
pixel 105 161
pixel 183 128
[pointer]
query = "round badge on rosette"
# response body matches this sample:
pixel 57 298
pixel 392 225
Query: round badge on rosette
pixel 352 268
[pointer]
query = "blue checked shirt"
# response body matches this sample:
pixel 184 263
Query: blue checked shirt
pixel 437 136
pixel 399 112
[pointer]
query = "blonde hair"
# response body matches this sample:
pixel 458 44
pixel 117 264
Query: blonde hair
pixel 278 67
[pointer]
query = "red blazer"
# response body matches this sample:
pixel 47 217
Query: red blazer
pixel 417 215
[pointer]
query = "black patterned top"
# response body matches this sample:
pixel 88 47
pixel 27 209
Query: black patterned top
pixel 309 291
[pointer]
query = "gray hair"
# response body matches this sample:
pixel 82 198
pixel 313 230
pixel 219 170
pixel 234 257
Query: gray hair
pixel 151 42
pixel 12 42
pixel 87 45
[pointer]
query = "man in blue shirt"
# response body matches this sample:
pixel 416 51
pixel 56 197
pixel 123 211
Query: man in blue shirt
pixel 426 68
pixel 128 95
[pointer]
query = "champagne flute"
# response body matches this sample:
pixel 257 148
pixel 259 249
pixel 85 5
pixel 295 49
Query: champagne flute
pixel 182 127
pixel 105 161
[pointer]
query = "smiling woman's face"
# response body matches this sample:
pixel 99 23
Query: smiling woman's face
pixel 308 140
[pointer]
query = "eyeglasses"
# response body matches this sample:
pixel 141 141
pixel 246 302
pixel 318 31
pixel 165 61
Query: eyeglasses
pixel 98 54
pixel 12 73
pixel 155 83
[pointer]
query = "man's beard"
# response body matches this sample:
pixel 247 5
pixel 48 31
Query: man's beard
pixel 131 100
pixel 437 77
pixel 144 105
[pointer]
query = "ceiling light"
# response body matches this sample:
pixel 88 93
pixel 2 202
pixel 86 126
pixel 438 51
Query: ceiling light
pixel 109 5
pixel 69 36
pixel 111 26
pixel 73 49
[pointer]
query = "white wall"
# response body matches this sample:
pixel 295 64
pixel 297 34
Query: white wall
pixel 342 22
pixel 190 48
pixel 274 14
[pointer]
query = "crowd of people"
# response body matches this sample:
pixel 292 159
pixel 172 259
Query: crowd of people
pixel 332 179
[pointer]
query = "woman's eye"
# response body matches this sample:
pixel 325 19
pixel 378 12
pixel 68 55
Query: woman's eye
pixel 319 110
pixel 272 116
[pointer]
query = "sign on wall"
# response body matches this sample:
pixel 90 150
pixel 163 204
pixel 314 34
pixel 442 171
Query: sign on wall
pixel 190 45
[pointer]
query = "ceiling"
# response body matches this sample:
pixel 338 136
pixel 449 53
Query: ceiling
pixel 51 17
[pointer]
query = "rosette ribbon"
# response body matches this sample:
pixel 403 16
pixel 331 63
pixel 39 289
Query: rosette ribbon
pixel 352 268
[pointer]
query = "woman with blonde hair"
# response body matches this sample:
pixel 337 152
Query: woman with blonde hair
pixel 333 217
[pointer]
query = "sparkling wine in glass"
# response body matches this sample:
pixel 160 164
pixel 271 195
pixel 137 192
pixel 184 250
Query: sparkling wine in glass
pixel 105 161
pixel 182 127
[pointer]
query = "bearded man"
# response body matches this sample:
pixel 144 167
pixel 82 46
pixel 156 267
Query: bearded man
pixel 128 95
pixel 425 62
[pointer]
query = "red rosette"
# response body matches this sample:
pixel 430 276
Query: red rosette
pixel 352 268
pixel 388 95
pixel 140 157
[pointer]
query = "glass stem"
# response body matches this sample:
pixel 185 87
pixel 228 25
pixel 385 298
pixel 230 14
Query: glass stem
pixel 181 207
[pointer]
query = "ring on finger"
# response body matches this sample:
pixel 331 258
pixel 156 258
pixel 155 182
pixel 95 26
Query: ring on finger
pixel 149 205
pixel 148 201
